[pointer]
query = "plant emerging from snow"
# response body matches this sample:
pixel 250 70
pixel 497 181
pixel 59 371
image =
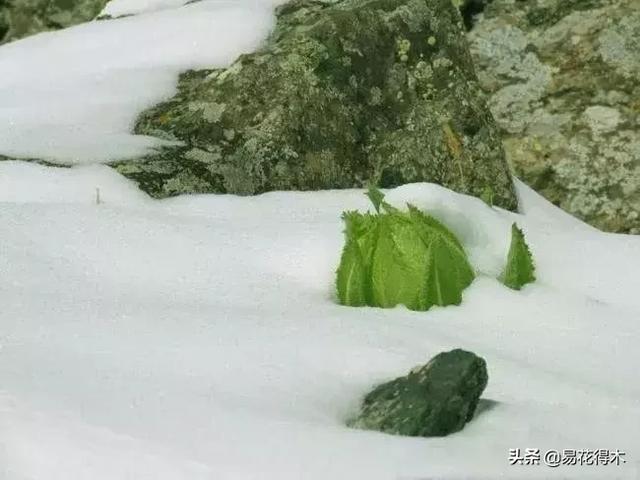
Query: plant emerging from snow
pixel 394 257
pixel 409 258
pixel 520 268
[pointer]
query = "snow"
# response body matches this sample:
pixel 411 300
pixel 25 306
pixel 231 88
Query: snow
pixel 72 96
pixel 199 338
pixel 117 8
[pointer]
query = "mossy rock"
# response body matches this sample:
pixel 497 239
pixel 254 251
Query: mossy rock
pixel 563 78
pixel 21 18
pixel 434 400
pixel 342 94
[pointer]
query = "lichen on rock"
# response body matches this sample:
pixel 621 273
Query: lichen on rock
pixel 563 79
pixel 21 18
pixel 342 94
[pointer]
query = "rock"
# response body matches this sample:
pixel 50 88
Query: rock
pixel 434 400
pixel 4 19
pixel 469 9
pixel 563 76
pixel 21 18
pixel 343 93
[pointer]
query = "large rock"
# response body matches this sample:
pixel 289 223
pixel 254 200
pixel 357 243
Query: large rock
pixel 4 19
pixel 434 400
pixel 21 18
pixel 564 82
pixel 343 93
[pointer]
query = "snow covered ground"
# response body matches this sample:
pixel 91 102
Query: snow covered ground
pixel 72 96
pixel 199 338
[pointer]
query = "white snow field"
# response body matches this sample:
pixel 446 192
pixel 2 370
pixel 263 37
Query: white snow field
pixel 199 338
pixel 117 8
pixel 72 96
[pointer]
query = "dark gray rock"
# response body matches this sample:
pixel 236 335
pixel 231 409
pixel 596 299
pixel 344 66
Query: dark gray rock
pixel 434 400
pixel 342 94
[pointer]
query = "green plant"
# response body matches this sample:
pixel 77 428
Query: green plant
pixel 520 268
pixel 394 257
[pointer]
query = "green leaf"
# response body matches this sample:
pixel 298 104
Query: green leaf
pixel 398 264
pixel 520 268
pixel 376 197
pixel 448 270
pixel 448 274
pixel 353 280
pixel 429 226
pixel 400 258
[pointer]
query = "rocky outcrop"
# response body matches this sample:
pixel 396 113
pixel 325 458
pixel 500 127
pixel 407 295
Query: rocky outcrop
pixel 4 19
pixel 563 78
pixel 343 93
pixel 436 399
pixel 21 18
